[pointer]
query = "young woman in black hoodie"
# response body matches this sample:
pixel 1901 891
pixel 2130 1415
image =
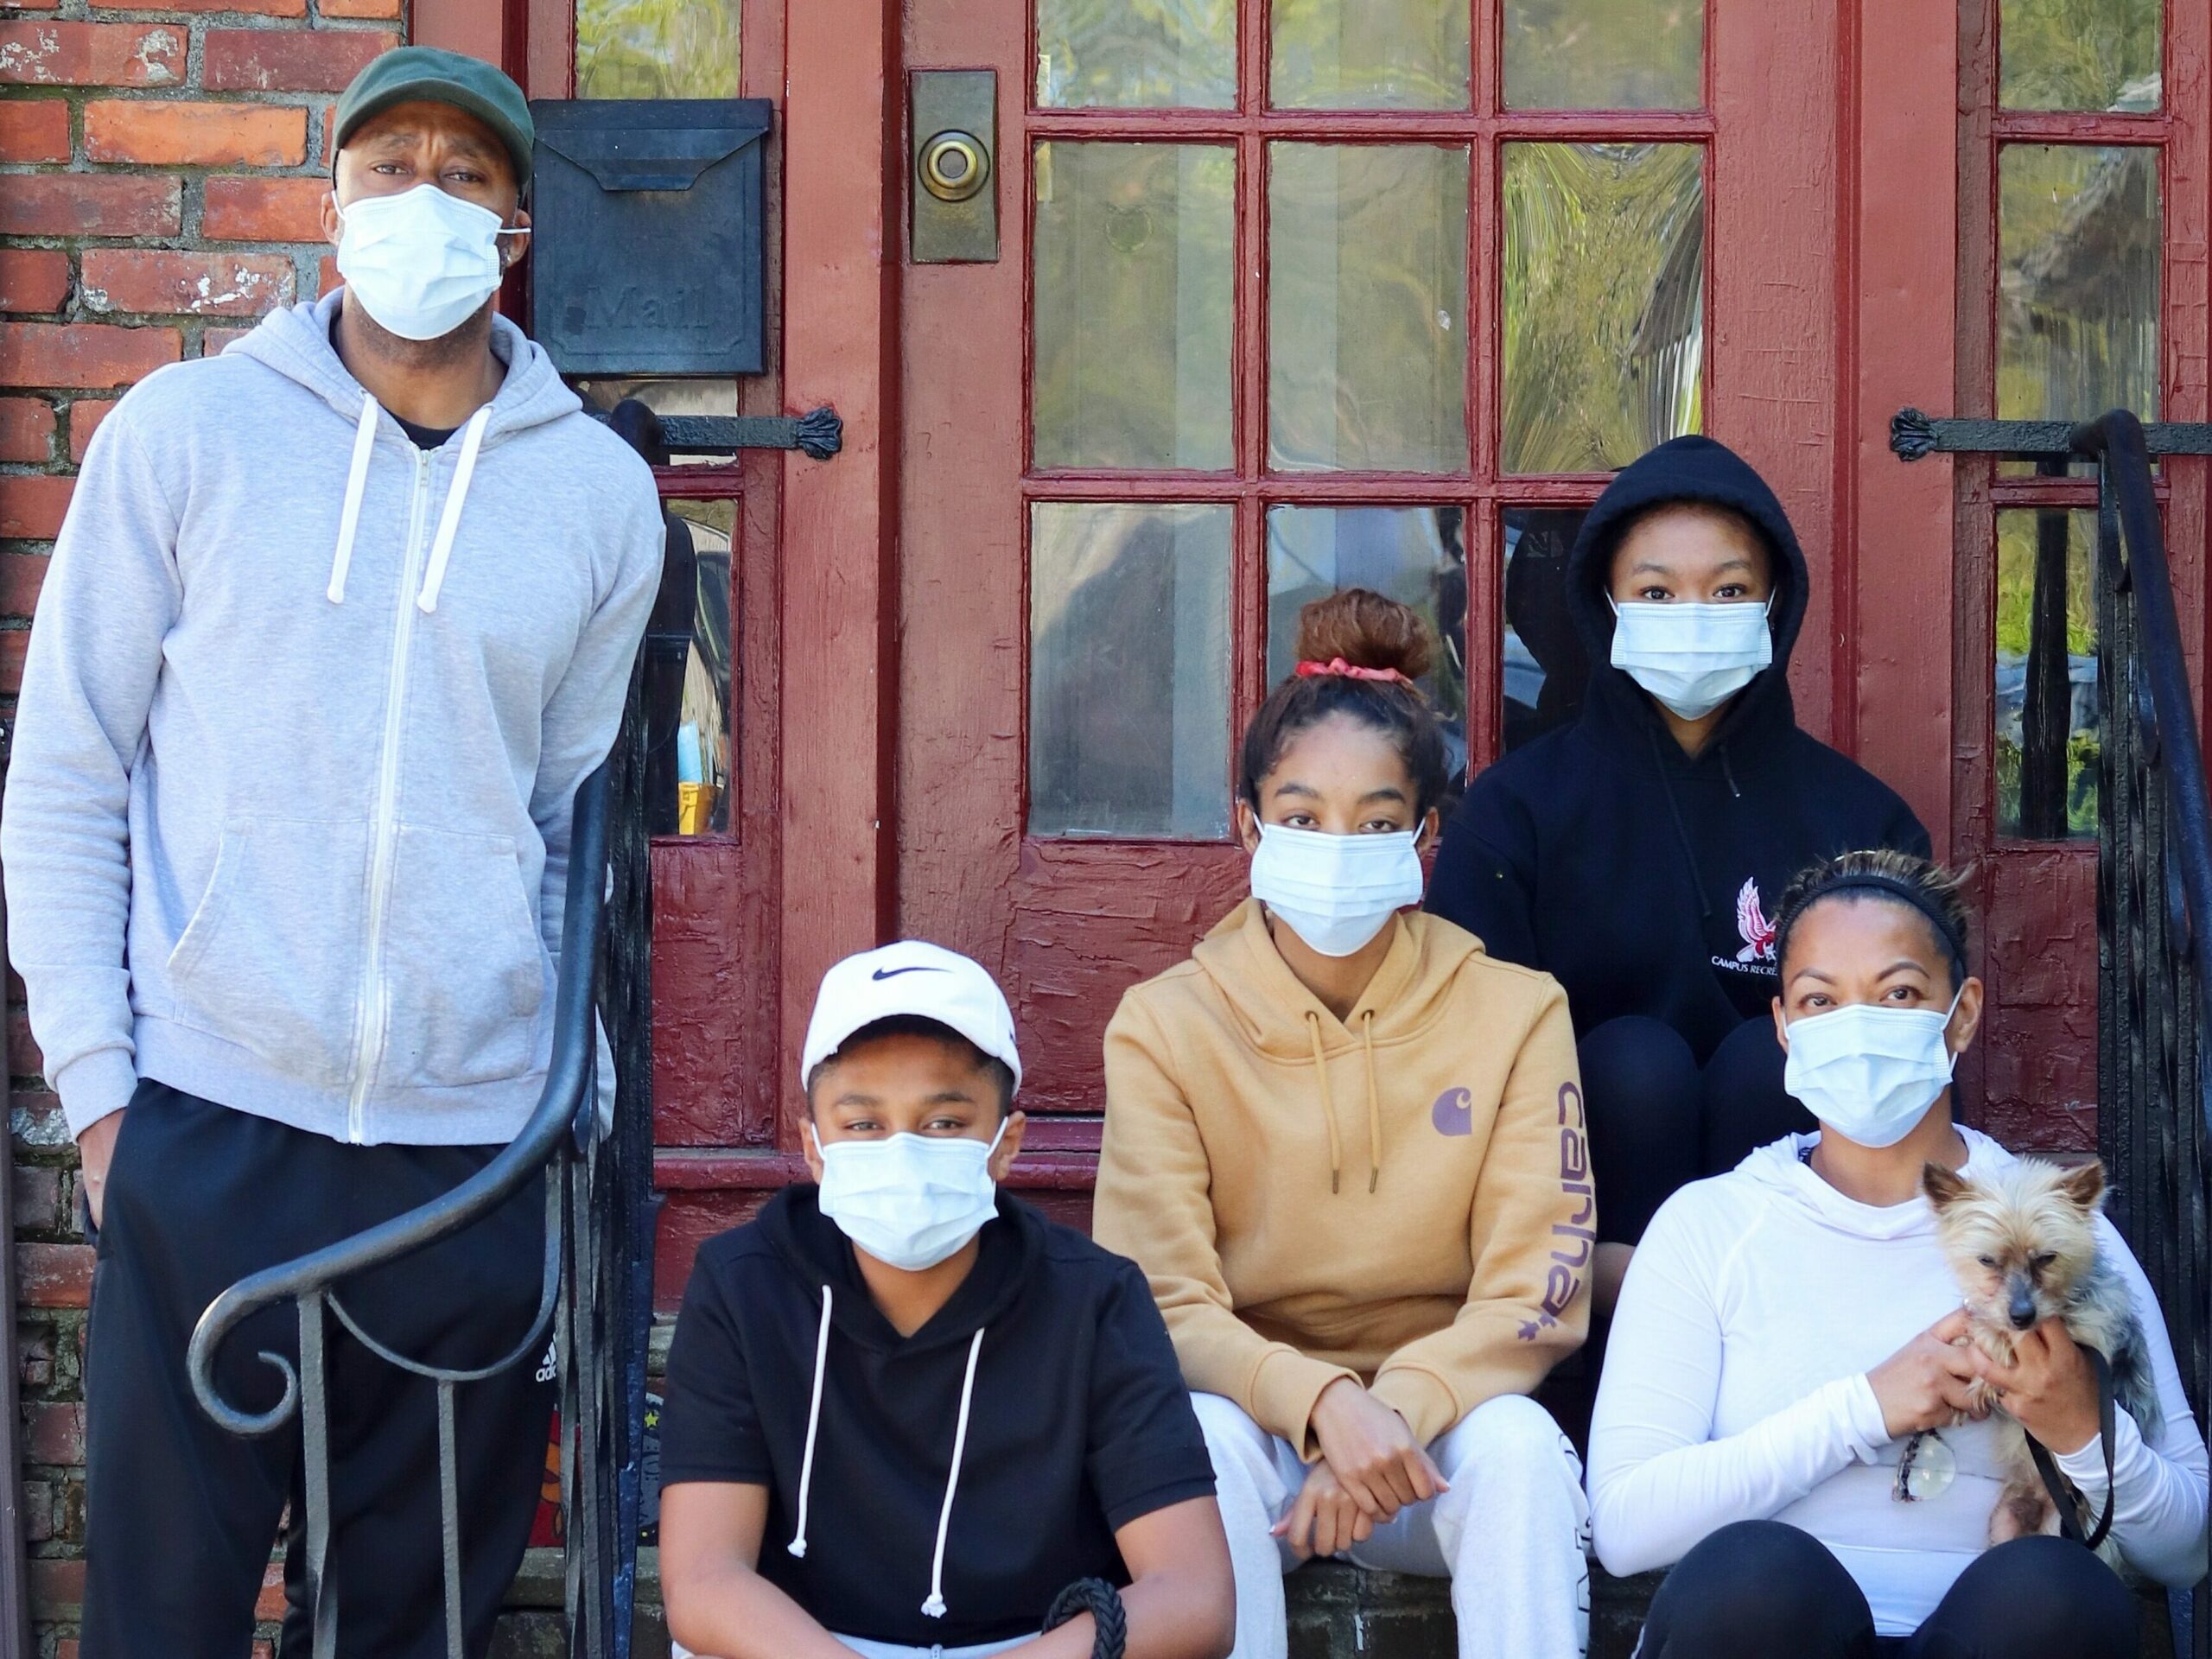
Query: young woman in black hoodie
pixel 1637 855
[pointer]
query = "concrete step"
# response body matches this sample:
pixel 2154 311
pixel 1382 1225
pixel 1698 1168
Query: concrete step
pixel 1337 1611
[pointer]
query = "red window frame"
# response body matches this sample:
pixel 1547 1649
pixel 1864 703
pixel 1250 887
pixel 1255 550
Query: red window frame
pixel 1482 490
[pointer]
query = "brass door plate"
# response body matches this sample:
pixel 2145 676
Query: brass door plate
pixel 952 150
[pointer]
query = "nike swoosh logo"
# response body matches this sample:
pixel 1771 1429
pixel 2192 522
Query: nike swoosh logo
pixel 894 973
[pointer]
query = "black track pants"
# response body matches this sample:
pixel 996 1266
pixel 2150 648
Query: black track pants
pixel 1658 1120
pixel 181 1515
pixel 1760 1588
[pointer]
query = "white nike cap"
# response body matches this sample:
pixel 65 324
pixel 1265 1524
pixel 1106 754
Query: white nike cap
pixel 914 979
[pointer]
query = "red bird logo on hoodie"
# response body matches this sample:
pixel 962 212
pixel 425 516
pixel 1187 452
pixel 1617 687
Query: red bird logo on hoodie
pixel 1751 923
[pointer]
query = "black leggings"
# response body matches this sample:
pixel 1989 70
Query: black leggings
pixel 1759 1588
pixel 1658 1120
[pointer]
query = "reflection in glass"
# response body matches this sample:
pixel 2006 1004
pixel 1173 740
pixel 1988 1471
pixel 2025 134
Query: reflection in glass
pixel 1369 54
pixel 2077 298
pixel 1145 55
pixel 1367 307
pixel 1417 555
pixel 2048 735
pixel 657 48
pixel 1605 302
pixel 687 677
pixel 1133 271
pixel 2079 55
pixel 1620 55
pixel 1545 669
pixel 1129 670
pixel 665 397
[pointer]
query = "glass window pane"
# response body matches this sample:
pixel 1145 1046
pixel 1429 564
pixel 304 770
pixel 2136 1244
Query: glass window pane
pixel 2079 55
pixel 688 397
pixel 1417 555
pixel 687 688
pixel 1369 54
pixel 1605 302
pixel 1621 54
pixel 1129 670
pixel 657 48
pixel 2078 252
pixel 1133 285
pixel 1367 307
pixel 1094 53
pixel 2047 729
pixel 1545 669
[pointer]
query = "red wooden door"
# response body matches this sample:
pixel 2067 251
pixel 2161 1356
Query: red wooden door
pixel 2082 205
pixel 1305 293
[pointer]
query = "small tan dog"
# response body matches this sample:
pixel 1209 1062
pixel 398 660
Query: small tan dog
pixel 2023 1244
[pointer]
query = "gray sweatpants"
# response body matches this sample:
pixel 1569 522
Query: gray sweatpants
pixel 1512 1534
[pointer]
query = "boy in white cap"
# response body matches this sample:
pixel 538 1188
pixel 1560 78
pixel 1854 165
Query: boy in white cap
pixel 904 1411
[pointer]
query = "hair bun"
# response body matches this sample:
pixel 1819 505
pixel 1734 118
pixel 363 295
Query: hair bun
pixel 1367 631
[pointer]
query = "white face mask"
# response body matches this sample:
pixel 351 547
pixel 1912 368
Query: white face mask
pixel 1336 892
pixel 422 263
pixel 1868 1073
pixel 909 1200
pixel 1692 656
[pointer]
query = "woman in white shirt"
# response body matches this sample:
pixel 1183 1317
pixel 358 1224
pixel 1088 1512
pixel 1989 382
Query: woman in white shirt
pixel 1788 1327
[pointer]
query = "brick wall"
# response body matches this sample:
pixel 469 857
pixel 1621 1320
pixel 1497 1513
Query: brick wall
pixel 160 171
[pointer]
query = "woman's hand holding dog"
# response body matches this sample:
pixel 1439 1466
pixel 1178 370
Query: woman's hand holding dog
pixel 1371 1453
pixel 2049 1389
pixel 1928 1383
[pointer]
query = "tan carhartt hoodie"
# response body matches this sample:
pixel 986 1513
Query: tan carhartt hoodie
pixel 1402 1198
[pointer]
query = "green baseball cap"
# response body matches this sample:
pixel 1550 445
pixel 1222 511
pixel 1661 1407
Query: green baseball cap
pixel 408 73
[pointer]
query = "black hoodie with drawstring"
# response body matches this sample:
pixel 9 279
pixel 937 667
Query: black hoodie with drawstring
pixel 1049 1369
pixel 1644 880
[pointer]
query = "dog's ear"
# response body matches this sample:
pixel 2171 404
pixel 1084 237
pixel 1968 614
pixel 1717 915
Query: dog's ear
pixel 2084 1185
pixel 1944 1186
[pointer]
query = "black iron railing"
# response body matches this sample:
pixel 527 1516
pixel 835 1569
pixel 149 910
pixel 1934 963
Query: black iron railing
pixel 2154 873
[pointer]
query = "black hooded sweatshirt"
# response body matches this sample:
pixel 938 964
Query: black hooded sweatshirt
pixel 1079 1421
pixel 1644 880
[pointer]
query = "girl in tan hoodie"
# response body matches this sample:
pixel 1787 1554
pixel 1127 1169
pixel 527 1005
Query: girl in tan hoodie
pixel 1347 1148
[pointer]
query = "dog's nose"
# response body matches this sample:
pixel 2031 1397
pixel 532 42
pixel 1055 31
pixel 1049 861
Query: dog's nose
pixel 2023 1313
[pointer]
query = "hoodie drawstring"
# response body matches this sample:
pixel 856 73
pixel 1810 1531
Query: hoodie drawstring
pixel 1728 771
pixel 1682 829
pixel 449 521
pixel 1374 1101
pixel 798 1545
pixel 349 519
pixel 1328 1106
pixel 934 1607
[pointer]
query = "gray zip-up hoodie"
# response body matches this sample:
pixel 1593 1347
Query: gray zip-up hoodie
pixel 304 711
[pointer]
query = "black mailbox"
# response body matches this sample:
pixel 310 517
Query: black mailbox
pixel 648 256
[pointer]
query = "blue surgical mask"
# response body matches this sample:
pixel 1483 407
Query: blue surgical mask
pixel 1870 1072
pixel 1692 656
pixel 909 1200
pixel 421 262
pixel 1335 891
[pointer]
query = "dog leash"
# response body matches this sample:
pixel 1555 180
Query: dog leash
pixel 2061 1494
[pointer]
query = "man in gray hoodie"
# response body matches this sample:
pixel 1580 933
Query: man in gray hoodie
pixel 338 622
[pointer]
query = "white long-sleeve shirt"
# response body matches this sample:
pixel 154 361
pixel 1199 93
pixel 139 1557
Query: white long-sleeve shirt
pixel 1735 1388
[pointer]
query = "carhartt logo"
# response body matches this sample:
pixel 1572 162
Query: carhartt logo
pixel 1453 1113
pixel 1751 923
pixel 894 973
